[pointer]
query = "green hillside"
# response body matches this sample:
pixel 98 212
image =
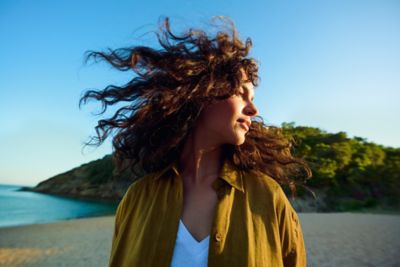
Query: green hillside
pixel 349 174
pixel 354 174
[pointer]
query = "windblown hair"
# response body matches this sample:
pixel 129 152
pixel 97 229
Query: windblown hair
pixel 171 87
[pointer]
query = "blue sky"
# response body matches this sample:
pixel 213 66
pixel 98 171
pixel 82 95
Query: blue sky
pixel 328 64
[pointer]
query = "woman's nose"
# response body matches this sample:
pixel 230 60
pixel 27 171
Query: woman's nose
pixel 251 110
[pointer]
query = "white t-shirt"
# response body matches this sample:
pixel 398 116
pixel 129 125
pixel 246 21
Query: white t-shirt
pixel 188 251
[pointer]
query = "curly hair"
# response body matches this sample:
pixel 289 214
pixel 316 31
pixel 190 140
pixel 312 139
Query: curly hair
pixel 171 87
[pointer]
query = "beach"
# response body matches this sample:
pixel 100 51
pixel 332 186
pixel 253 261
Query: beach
pixel 80 242
pixel 331 239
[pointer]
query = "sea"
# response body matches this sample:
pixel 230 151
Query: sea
pixel 24 208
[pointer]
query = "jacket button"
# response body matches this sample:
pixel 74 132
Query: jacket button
pixel 294 217
pixel 218 237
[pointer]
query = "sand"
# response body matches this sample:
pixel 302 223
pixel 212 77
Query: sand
pixel 332 239
pixel 82 242
pixel 351 239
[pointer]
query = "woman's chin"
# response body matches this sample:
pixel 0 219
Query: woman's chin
pixel 239 140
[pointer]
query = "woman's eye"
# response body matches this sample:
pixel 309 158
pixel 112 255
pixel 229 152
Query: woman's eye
pixel 243 95
pixel 239 94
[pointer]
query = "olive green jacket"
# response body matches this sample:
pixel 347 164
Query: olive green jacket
pixel 254 223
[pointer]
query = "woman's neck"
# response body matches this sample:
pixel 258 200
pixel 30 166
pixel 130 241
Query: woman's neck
pixel 200 161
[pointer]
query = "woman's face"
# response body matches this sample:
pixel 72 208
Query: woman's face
pixel 228 120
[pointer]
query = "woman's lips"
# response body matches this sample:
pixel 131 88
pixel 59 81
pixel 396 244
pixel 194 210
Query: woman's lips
pixel 244 125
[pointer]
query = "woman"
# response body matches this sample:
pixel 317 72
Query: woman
pixel 211 193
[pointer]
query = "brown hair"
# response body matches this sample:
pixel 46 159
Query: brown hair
pixel 171 87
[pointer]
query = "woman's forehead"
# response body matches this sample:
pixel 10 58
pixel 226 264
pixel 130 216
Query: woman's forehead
pixel 246 81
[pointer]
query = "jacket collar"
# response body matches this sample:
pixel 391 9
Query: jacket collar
pixel 228 173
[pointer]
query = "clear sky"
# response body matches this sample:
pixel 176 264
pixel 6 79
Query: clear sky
pixel 328 64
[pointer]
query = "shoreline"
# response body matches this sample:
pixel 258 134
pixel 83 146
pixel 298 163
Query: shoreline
pixel 58 220
pixel 367 212
pixel 20 208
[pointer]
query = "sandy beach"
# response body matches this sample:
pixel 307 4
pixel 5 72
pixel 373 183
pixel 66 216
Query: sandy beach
pixel 332 239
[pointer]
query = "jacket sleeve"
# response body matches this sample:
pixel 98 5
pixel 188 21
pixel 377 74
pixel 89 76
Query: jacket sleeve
pixel 290 232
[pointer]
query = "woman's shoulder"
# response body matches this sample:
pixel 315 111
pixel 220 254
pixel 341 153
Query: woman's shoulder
pixel 261 181
pixel 134 192
pixel 139 184
pixel 144 185
pixel 261 186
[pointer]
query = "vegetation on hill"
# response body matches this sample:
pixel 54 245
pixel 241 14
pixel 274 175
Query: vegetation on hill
pixel 353 173
pixel 348 174
pixel 93 180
